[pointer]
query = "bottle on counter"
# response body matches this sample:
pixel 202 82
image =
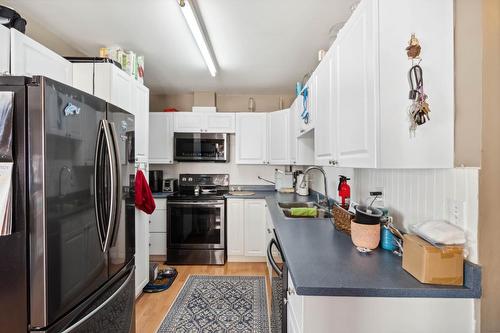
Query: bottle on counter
pixel 344 192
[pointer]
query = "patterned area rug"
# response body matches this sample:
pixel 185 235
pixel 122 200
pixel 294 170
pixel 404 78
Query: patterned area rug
pixel 276 305
pixel 219 304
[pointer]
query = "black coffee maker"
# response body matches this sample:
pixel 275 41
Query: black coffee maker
pixel 156 181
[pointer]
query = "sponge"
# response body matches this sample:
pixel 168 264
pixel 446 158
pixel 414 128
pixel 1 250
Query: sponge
pixel 303 211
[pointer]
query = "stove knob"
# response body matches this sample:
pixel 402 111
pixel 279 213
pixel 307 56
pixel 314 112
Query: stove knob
pixel 190 179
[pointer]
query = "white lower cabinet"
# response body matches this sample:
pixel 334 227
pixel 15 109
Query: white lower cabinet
pixel 29 58
pixel 326 314
pixel 158 228
pixel 142 230
pixel 4 50
pixel 246 229
pixel 161 137
pixel 255 227
pixel 141 251
pixel 251 138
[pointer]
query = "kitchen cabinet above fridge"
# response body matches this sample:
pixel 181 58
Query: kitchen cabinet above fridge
pixel 29 58
pixel 4 50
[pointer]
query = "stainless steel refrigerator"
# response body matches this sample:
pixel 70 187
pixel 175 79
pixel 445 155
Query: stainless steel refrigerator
pixel 68 265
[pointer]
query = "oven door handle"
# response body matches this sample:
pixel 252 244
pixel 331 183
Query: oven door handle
pixel 197 203
pixel 271 259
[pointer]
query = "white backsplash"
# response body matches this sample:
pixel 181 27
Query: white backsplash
pixel 414 196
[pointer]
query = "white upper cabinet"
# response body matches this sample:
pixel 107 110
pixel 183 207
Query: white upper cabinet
pixel 189 122
pixel 107 82
pixel 355 87
pixel 113 85
pixel 432 22
pixel 161 137
pixel 222 122
pixel 4 50
pixel 30 58
pixel 367 70
pixel 301 147
pixel 307 102
pixel 193 122
pixel 140 108
pixel 279 137
pixel 324 134
pixel 251 138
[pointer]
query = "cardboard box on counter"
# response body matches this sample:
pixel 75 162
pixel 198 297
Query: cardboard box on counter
pixel 433 265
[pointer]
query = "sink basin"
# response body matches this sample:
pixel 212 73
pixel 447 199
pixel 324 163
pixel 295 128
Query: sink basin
pixel 286 207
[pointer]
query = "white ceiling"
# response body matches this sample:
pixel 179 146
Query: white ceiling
pixel 261 46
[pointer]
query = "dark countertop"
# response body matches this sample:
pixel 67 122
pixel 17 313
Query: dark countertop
pixel 323 262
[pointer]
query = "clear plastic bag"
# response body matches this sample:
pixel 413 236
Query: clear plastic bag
pixel 6 125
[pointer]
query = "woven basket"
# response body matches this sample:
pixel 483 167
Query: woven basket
pixel 342 219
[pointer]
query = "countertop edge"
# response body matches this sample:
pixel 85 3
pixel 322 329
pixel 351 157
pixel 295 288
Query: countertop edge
pixel 471 289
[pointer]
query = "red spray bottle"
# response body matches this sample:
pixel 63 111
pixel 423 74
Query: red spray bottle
pixel 344 192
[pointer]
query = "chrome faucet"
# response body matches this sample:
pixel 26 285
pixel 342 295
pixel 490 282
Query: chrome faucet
pixel 325 202
pixel 61 172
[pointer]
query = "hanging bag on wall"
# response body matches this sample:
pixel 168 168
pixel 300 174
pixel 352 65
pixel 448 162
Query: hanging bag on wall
pixel 11 19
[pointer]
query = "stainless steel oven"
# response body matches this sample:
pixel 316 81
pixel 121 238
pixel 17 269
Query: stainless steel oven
pixel 278 274
pixel 201 147
pixel 196 232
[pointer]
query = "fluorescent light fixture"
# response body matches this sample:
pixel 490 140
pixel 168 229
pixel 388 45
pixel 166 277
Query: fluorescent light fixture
pixel 195 27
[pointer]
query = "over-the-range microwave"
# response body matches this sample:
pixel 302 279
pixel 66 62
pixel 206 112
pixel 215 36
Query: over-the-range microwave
pixel 201 147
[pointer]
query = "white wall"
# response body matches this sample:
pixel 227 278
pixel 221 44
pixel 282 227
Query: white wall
pixel 414 196
pixel 238 174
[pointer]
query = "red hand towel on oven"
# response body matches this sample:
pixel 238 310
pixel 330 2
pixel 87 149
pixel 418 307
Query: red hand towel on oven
pixel 143 196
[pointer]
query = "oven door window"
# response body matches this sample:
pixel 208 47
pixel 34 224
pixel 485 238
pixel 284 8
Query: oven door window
pixel 195 225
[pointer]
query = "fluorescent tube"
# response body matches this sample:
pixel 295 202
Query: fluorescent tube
pixel 199 37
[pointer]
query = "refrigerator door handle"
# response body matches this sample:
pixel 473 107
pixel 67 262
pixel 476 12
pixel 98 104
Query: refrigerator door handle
pixel 118 188
pixel 113 180
pixel 97 175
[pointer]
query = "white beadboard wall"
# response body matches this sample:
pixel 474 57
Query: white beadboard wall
pixel 414 196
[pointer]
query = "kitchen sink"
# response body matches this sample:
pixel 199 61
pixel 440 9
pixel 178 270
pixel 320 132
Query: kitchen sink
pixel 286 208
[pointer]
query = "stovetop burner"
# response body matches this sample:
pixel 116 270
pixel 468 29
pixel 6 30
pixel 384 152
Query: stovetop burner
pixel 201 187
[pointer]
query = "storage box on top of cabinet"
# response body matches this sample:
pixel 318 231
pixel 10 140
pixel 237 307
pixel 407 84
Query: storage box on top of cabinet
pixel 30 58
pixel 369 87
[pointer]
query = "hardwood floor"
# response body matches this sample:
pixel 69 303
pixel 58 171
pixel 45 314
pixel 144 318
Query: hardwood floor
pixel 152 308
